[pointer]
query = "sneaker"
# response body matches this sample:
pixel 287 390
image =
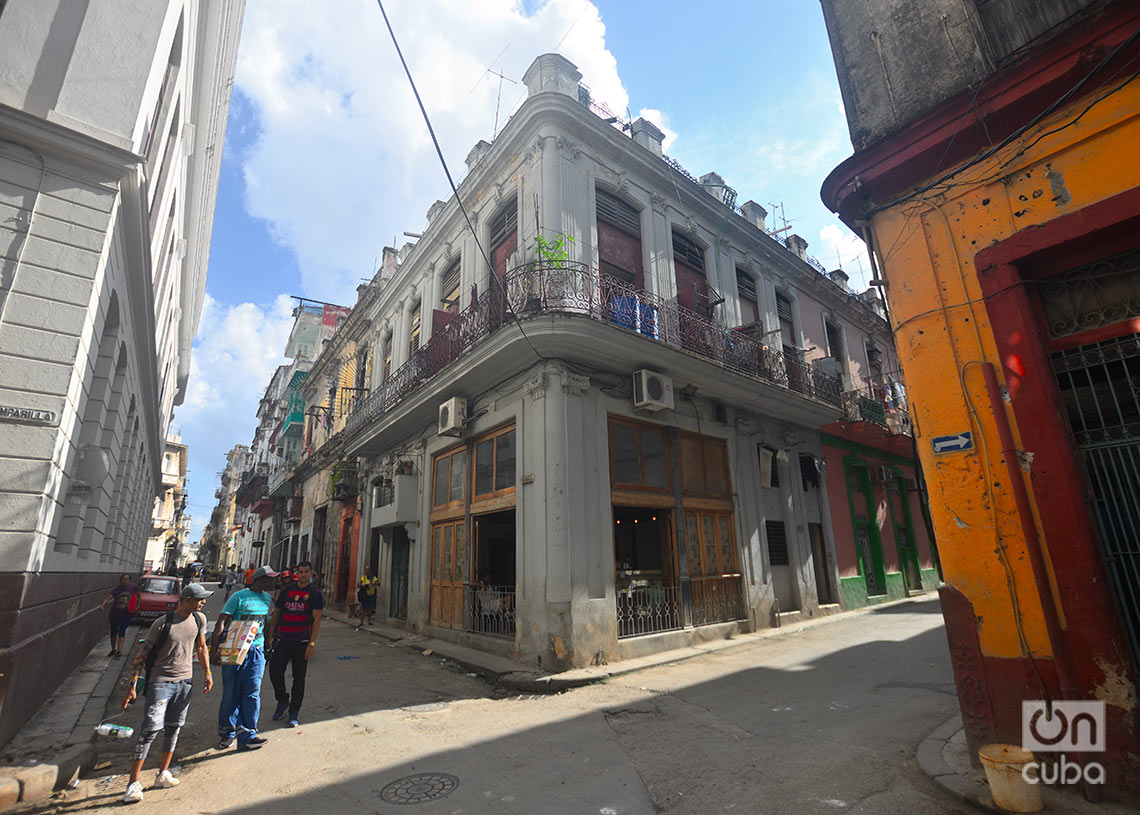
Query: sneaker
pixel 225 743
pixel 111 653
pixel 164 780
pixel 294 720
pixel 251 746
pixel 258 740
pixel 282 709
pixel 134 793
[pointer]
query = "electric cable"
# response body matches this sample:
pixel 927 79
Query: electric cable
pixel 451 181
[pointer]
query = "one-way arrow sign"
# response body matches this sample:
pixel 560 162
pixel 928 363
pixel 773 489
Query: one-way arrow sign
pixel 953 444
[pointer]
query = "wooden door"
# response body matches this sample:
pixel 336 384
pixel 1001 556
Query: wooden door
pixel 448 573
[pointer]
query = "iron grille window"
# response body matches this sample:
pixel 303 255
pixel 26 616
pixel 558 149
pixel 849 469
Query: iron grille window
pixel 619 213
pixel 688 251
pixel 777 543
pixel 504 224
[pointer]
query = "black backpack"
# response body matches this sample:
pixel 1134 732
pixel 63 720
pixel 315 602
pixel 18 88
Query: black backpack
pixel 163 636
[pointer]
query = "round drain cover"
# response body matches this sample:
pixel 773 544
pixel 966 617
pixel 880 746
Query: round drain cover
pixel 419 788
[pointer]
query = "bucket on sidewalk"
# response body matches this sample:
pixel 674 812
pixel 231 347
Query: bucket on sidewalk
pixel 1004 764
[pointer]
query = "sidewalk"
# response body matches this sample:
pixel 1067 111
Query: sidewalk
pixel 944 756
pixel 57 744
pixel 516 676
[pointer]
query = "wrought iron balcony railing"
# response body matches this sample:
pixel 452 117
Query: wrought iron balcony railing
pixel 577 289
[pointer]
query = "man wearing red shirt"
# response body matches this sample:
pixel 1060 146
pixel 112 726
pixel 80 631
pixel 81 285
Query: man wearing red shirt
pixel 293 632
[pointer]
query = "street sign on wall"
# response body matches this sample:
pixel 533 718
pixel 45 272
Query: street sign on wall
pixel 958 443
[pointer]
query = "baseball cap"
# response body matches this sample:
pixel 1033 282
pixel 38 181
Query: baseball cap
pixel 195 590
pixel 264 571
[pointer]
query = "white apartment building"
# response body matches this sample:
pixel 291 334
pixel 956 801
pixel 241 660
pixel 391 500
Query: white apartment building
pixel 112 122
pixel 576 455
pixel 169 543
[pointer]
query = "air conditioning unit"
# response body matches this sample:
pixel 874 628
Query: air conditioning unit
pixel 652 391
pixel 882 474
pixel 453 416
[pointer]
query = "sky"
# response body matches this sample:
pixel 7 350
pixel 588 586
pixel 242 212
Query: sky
pixel 327 158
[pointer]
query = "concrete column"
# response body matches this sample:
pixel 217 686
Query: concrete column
pixel 400 335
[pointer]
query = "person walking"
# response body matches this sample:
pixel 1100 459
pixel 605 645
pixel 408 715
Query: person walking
pixel 247 578
pixel 366 595
pixel 123 601
pixel 228 580
pixel 241 684
pixel 168 659
pixel 293 637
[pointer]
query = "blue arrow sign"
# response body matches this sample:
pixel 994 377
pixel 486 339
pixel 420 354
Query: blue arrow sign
pixel 953 444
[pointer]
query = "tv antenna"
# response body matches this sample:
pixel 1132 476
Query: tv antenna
pixel 499 94
pixel 778 207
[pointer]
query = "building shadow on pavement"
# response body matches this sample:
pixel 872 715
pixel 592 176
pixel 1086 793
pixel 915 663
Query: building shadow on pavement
pixel 768 733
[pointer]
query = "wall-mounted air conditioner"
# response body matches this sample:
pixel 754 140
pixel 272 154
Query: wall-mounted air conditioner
pixel 453 416
pixel 652 391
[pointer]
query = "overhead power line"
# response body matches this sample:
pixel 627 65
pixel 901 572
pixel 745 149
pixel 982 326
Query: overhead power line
pixel 451 181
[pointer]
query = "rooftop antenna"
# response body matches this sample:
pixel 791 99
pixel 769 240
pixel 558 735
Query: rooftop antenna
pixel 499 95
pixel 778 207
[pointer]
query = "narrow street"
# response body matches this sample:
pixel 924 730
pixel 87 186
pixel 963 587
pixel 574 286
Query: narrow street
pixel 823 721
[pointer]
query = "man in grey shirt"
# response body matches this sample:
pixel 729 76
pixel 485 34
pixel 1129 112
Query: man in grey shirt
pixel 168 658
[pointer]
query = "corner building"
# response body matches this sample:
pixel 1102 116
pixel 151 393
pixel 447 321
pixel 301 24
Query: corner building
pixel 995 175
pixel 570 460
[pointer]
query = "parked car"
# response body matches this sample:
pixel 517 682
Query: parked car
pixel 158 594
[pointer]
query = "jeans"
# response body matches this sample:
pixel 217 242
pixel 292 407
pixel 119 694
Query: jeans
pixel 166 706
pixel 241 697
pixel 284 653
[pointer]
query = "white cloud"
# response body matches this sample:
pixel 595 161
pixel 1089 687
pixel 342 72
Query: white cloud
pixel 343 161
pixel 658 118
pixel 842 247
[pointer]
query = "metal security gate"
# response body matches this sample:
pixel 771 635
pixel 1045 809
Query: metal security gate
pixel 1100 386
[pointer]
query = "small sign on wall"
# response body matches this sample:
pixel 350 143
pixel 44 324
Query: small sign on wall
pixel 26 415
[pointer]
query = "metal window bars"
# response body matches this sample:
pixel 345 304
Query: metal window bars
pixel 489 610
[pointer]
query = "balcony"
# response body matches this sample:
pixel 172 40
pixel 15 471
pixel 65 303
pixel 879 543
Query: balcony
pixel 294 507
pixel 395 500
pixel 877 404
pixel 572 289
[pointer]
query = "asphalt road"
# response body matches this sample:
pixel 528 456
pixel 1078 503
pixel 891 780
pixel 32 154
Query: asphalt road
pixel 823 721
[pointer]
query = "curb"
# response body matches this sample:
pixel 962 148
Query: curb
pixel 930 759
pixel 23 786
pixel 538 682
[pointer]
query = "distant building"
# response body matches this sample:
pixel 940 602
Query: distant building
pixel 996 175
pixel 112 120
pixel 168 547
pixel 628 439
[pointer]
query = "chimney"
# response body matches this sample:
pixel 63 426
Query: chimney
pixel 388 263
pixel 477 152
pixel 840 278
pixel 797 246
pixel 435 209
pixel 406 250
pixel 552 73
pixel 714 185
pixel 649 136
pixel 755 214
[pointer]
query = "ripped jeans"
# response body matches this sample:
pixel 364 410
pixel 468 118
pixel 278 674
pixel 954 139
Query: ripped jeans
pixel 166 706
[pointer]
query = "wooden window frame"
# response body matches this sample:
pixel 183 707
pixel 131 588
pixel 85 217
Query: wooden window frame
pixel 703 442
pixel 495 495
pixel 449 507
pixel 449 288
pixel 618 212
pixel 639 487
pixel 505 222
pixel 415 327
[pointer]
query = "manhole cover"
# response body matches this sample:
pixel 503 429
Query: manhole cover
pixel 419 788
pixel 427 707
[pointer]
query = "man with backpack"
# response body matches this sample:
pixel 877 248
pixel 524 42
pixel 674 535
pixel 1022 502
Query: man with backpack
pixel 293 635
pixel 167 657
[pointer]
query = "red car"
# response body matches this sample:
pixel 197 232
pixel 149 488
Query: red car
pixel 158 594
